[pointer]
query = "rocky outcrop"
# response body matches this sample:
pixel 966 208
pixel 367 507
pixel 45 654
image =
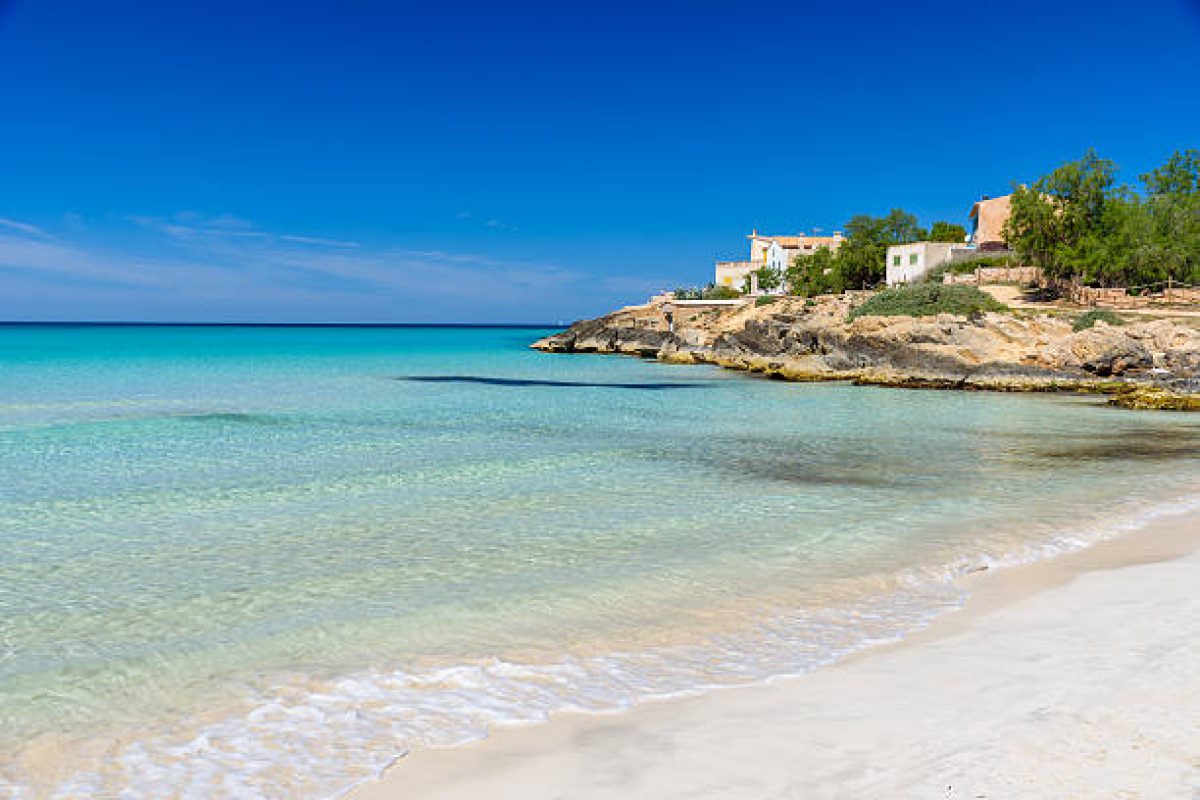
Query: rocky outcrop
pixel 1154 398
pixel 1105 350
pixel 611 334
pixel 797 340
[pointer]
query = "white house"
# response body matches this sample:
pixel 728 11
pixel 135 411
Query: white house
pixel 780 251
pixel 908 262
pixel 776 252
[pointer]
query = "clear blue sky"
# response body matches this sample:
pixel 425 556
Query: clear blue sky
pixel 462 161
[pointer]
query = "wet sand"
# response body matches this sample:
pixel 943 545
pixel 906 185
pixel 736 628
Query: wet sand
pixel 1073 677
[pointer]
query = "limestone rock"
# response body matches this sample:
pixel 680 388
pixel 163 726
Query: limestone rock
pixel 797 339
pixel 1105 350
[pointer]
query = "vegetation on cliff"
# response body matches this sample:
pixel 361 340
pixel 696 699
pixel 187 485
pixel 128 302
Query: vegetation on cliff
pixel 1154 398
pixel 927 300
pixel 859 261
pixel 769 279
pixel 1076 223
pixel 709 292
pixel 1088 319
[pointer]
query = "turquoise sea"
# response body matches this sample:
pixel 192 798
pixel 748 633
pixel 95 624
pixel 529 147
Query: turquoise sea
pixel 269 561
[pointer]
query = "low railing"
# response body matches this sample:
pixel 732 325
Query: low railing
pixel 1163 293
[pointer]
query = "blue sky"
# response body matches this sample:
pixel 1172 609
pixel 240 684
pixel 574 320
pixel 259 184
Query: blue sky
pixel 526 162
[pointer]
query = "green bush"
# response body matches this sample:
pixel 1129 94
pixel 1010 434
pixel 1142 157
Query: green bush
pixel 764 300
pixel 713 292
pixel 926 300
pixel 1089 318
pixel 709 292
pixel 768 278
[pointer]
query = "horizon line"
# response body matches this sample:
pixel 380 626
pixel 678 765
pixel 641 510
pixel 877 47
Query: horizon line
pixel 133 323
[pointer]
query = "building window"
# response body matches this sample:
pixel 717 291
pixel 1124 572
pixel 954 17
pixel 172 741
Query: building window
pixel 895 261
pixel 912 259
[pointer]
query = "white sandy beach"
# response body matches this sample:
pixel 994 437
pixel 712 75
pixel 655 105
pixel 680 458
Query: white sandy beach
pixel 1074 678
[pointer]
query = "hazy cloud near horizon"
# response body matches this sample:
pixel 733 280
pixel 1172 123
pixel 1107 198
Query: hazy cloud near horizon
pixel 222 268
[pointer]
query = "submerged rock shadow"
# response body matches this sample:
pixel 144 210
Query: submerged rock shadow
pixel 1175 443
pixel 542 382
pixel 227 416
pixel 1144 445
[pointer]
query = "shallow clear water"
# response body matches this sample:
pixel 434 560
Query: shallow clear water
pixel 268 561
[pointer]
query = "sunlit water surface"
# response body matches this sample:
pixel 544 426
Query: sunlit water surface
pixel 269 561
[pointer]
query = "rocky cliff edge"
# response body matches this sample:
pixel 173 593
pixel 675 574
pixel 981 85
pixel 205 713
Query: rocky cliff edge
pixel 1144 363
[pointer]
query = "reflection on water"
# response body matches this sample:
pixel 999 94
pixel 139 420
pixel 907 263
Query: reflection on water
pixel 242 553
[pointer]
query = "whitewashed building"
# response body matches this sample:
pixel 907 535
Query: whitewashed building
pixel 776 252
pixel 908 262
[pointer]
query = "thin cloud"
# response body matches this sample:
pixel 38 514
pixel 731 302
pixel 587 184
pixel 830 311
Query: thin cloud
pixel 23 227
pixel 106 268
pixel 249 272
pixel 314 240
pixel 221 221
pixel 190 225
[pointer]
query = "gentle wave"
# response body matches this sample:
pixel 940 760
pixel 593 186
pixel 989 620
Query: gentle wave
pixel 320 737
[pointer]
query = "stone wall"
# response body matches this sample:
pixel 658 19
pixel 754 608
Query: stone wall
pixel 1121 298
pixel 996 275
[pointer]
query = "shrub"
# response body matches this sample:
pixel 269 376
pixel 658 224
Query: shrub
pixel 713 292
pixel 1089 318
pixel 765 300
pixel 709 292
pixel 926 300
pixel 768 278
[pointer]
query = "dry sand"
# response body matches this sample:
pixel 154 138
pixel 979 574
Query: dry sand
pixel 1072 678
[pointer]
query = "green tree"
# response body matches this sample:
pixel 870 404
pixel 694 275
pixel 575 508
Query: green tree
pixel 769 278
pixel 814 273
pixel 1054 223
pixel 947 232
pixel 1179 177
pixel 862 255
pixel 1171 230
pixel 901 227
pixel 1076 224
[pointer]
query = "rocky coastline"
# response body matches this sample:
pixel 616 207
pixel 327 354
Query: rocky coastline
pixel 1142 364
